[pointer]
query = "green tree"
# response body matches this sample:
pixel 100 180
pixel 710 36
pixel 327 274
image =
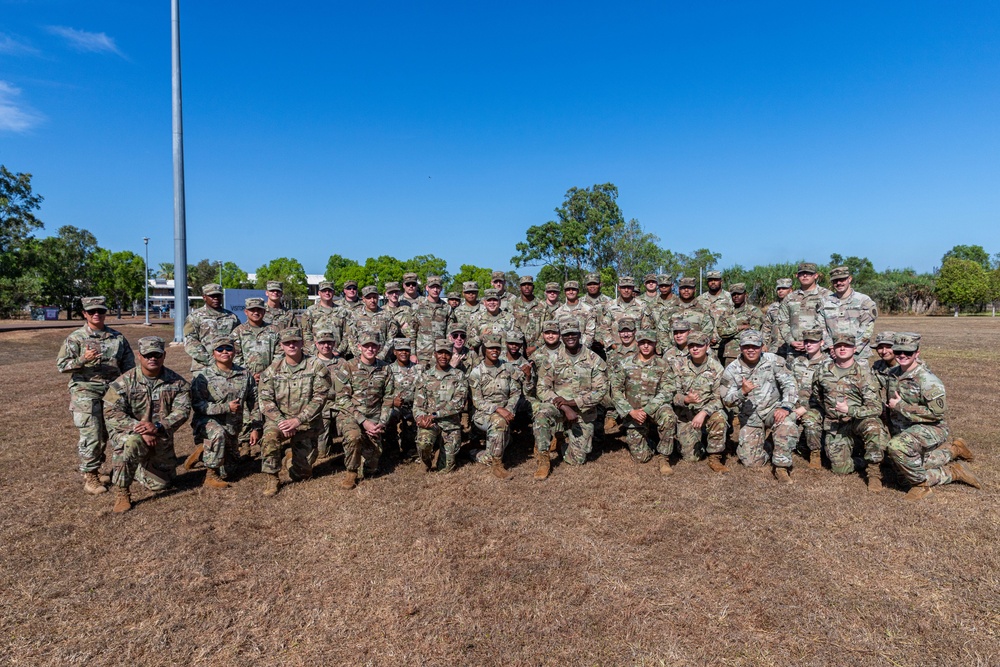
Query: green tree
pixel 428 265
pixel 468 272
pixel 63 267
pixel 17 220
pixel 233 277
pixel 862 269
pixel 118 276
pixel 291 273
pixel 166 271
pixel 335 267
pixel 962 283
pixel 760 280
pixel 635 252
pixel 202 273
pixel 972 253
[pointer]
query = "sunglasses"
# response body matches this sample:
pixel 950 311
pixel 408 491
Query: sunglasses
pixel 354 289
pixel 410 284
pixel 458 335
pixel 904 354
pixel 153 355
pixel 225 348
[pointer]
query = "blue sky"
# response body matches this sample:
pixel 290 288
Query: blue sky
pixel 765 131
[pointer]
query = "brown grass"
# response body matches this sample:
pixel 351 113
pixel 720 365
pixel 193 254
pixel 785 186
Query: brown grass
pixel 602 565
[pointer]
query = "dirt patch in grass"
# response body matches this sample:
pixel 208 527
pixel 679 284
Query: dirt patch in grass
pixel 607 564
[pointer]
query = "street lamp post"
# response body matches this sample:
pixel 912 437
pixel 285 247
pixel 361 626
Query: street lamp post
pixel 145 240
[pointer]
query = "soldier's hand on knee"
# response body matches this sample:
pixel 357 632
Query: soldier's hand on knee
pixel 506 414
pixel 638 415
pixel 779 415
pixel 699 419
pixel 254 436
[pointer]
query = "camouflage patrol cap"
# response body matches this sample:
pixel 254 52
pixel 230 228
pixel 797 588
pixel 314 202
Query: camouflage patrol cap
pixel 499 275
pixel 570 325
pixel 442 345
pixel 592 279
pixel 224 339
pixel 552 287
pixel 369 290
pixel 549 326
pixel 254 302
pixel 713 275
pixel 906 342
pixel 738 288
pixel 527 280
pixel 94 303
pixel 812 336
pixel 571 284
pixel 368 337
pixel 457 327
pixel 664 279
pixel 402 344
pixel 626 281
pixel 807 267
pixel 470 286
pixel 515 337
pixel 453 295
pixel 290 334
pixel 491 294
pixel 150 344
pixel 434 281
pixel 492 340
pixel 351 283
pixel 275 285
pixel 410 278
pixel 783 283
pixel 686 282
pixel 326 337
pixel 650 278
pixel 680 324
pixel 211 289
pixel 750 337
pixel 840 272
pixel 885 338
pixel 645 334
pixel 843 338
pixel 698 338
pixel 626 324
pixel 392 287
pixel 325 284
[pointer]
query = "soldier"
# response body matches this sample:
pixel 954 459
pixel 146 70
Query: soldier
pixel 573 308
pixel 847 311
pixel 402 315
pixel 439 401
pixel 571 385
pixel 772 339
pixel 463 357
pixel 803 369
pixel 697 403
pixel 552 303
pixel 205 324
pixel 598 302
pixel 691 309
pixel 627 345
pixel 401 429
pixel 919 447
pixel 652 293
pixel 667 299
pixel 515 356
pixel 430 321
pixel 844 392
pixel 411 290
pixel 454 300
pixel 499 283
pixel 143 408
pixel 496 388
pixel 275 311
pixel 372 318
pixel 642 388
pixel 745 316
pixel 464 312
pixel 800 310
pixel 882 368
pixel 293 391
pixel 762 389
pixel 528 315
pixel 365 389
pixel 491 320
pixel 324 315
pixel 95 355
pixel 719 304
pixel 221 395
pixel 257 347
pixel 626 305
pixel 326 343
pixel 352 301
pixel 677 349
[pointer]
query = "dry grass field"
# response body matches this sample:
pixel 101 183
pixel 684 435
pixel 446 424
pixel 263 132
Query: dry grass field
pixel 607 564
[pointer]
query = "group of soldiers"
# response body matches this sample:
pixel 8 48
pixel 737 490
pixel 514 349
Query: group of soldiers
pixel 675 375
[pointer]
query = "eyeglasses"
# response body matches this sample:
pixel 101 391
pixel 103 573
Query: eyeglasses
pixel 225 348
pixel 153 355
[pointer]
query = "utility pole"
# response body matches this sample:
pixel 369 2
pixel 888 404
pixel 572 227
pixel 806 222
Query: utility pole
pixel 145 240
pixel 180 231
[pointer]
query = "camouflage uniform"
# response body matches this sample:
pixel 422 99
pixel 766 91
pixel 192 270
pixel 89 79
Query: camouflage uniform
pixel 804 368
pixel 493 387
pixel 617 310
pixel 203 325
pixel 698 317
pixel 854 315
pixel 318 317
pixel 773 341
pixel 256 347
pixel 442 394
pixel 464 312
pixel 704 380
pixel 720 307
pixel 775 389
pixel 215 427
pixel 800 311
pixel 88 383
pixel 364 393
pixel 748 315
pixel 485 324
pixel 405 380
pixel 583 314
pixel 648 386
pixel 378 321
pixel 279 317
pixel 856 385
pixel 329 413
pixel 430 322
pixel 164 400
pixel 528 320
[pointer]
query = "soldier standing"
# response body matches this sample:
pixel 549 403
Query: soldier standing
pixel 492 320
pixel 326 343
pixel 402 315
pixel 438 404
pixel 471 305
pixel 800 309
pixel 205 324
pixel 143 408
pixel 719 304
pixel 552 291
pixel 411 290
pixel 401 429
pixel 95 355
pixel 372 318
pixel 697 403
pixel 528 315
pixel 847 311
pixel 693 311
pixel 573 308
pixel 430 321
pixel 772 338
pixel 496 388
pixel 804 368
pixel 256 346
pixel 626 305
pixel 499 282
pixel 746 316
pixel 324 315
pixel 652 293
pixel 352 301
pixel 275 312
pixel 676 349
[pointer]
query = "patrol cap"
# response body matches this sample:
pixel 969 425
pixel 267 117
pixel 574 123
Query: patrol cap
pixel 750 337
pixel 351 283
pixel 392 287
pixel 434 281
pixel 442 345
pixel 840 272
pixel 807 267
pixel 664 279
pixel 686 282
pixel 592 279
pixel 680 324
pixel 552 287
pixel 626 281
pixel 713 275
pixel 570 325
pixel 367 337
pixel 254 302
pixel 94 303
pixel 369 290
pixel 499 275
pixel 527 280
pixel 326 337
pixel 150 344
pixel 410 278
pixel 843 338
pixel 325 284
pixel 224 339
pixel 698 338
pixel 211 289
pixel 571 284
pixel 290 334
pixel 470 286
pixel 491 294
pixel 453 295
pixel 783 283
pixel 626 324
pixel 812 335
pixel 646 334
pixel 492 340
pixel 549 326
pixel 275 285
pixel 738 288
pixel 906 342
pixel 457 327
pixel 885 338
pixel 515 337
pixel 402 344
pixel 650 278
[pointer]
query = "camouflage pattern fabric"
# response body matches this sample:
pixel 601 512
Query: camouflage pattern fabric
pixel 585 315
pixel 919 428
pixel 698 317
pixel 485 324
pixel 705 380
pixel 528 320
pixel 442 394
pixel 580 377
pixel 317 318
pixel 328 425
pixel 854 315
pixel 858 388
pixel 379 321
pixel 648 386
pixel 256 347
pixel 203 325
pixel 215 426
pixel 492 387
pixel 774 388
pixel 401 425
pixel 430 322
pixel 746 316
pixel 617 310
pixel 364 393
pixel 803 369
pixel 800 311
pixel 720 307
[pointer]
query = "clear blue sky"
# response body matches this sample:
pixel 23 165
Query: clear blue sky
pixel 764 131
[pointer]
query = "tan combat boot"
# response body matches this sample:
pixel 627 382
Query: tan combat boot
pixel 874 472
pixel 496 467
pixel 544 466
pixel 104 477
pixel 917 492
pixel 271 484
pixel 962 473
pixel 123 501
pixel 665 468
pixel 610 424
pixel 815 460
pixel 959 450
pixel 781 474
pixel 213 481
pixel 193 458
pixel 92 485
pixel 715 463
pixel 350 480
